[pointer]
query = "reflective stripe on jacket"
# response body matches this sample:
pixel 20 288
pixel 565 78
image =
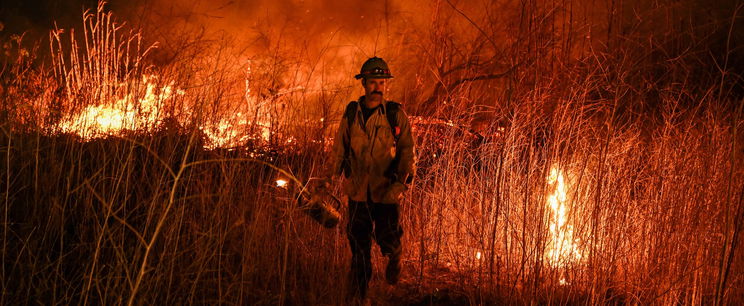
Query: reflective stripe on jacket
pixel 371 149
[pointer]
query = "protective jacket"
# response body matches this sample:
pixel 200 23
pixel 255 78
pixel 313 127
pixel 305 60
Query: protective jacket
pixel 365 152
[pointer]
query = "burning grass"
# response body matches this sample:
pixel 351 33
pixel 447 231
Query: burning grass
pixel 126 186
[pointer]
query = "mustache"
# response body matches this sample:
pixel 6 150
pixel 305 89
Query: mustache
pixel 376 92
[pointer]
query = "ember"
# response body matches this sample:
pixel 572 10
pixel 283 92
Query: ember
pixel 281 183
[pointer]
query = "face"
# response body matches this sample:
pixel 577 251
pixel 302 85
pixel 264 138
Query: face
pixel 374 89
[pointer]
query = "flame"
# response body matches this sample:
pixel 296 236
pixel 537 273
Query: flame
pixel 562 247
pixel 143 112
pixel 232 132
pixel 235 130
pixel 128 113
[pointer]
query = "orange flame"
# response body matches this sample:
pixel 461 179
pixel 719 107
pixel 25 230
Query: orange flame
pixel 128 113
pixel 144 112
pixel 563 246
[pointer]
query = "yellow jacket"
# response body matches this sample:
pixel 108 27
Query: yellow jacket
pixel 365 151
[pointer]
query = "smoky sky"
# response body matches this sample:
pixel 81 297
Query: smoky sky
pixel 348 31
pixel 355 14
pixel 297 19
pixel 339 35
pixel 303 23
pixel 38 16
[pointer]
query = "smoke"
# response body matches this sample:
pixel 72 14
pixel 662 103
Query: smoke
pixel 266 24
pixel 249 26
pixel 306 44
pixel 324 40
pixel 36 17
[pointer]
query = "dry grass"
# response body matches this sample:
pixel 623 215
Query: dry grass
pixel 653 172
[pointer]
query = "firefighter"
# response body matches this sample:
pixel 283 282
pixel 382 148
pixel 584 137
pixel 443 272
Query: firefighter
pixel 374 151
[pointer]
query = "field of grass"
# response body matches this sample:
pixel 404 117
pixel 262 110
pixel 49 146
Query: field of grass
pixel 614 177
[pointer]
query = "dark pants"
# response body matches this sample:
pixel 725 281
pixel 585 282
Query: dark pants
pixel 368 220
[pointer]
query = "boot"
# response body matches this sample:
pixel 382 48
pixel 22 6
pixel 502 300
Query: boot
pixel 392 272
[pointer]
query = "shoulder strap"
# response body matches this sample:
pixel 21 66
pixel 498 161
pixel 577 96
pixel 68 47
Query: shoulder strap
pixel 349 116
pixel 350 113
pixel 392 109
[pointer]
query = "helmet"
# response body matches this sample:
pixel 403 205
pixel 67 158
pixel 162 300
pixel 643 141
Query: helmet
pixel 374 68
